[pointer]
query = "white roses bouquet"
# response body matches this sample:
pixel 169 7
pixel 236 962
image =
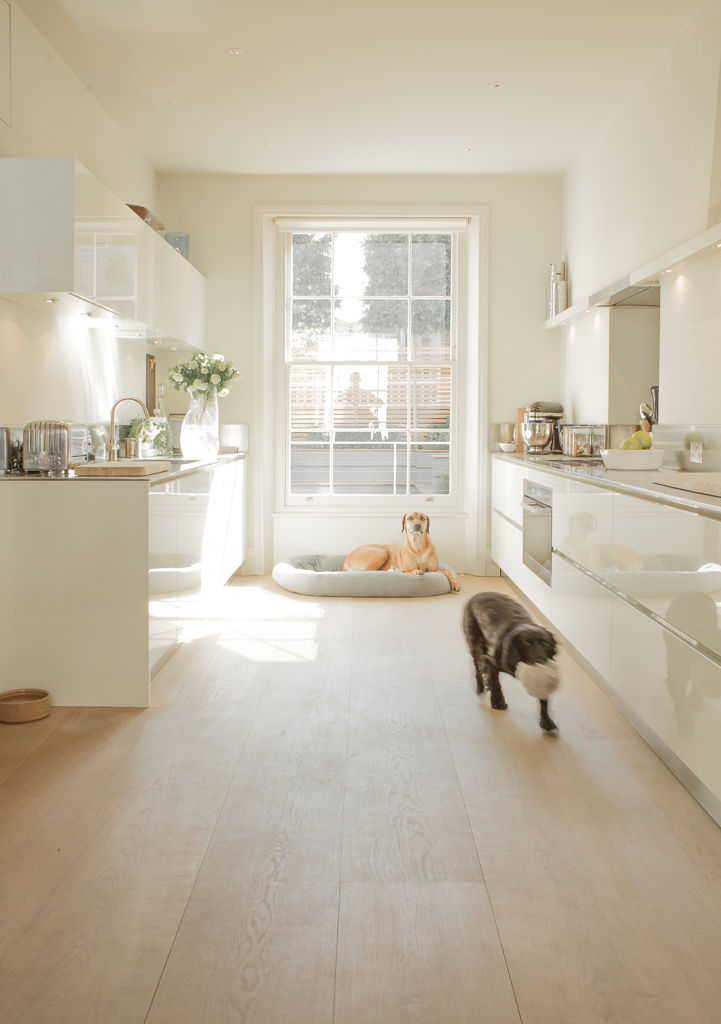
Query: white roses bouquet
pixel 204 374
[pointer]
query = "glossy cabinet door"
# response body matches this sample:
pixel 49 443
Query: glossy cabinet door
pixel 582 611
pixel 163 573
pixel 507 489
pixel 196 543
pixel 679 572
pixel 672 688
pixel 66 235
pixel 583 524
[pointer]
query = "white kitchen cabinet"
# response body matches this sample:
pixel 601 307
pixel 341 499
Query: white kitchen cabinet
pixel 582 522
pixel 507 489
pixel 636 590
pixel 65 238
pixel 101 574
pixel 673 690
pixel 581 611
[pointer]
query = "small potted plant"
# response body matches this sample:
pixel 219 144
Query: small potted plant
pixel 153 434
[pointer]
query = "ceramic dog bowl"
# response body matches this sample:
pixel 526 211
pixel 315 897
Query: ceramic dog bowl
pixel 24 705
pixel 507 446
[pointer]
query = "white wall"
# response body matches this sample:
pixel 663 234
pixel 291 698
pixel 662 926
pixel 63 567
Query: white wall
pixel 648 181
pixel 643 184
pixel 690 363
pixel 53 367
pixel 586 368
pixel 525 236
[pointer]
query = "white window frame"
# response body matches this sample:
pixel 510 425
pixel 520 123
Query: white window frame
pixel 404 225
pixel 467 506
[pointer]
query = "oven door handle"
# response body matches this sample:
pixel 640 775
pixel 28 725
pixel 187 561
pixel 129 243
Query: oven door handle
pixel 534 508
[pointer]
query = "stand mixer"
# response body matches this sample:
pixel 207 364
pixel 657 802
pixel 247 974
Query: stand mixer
pixel 540 427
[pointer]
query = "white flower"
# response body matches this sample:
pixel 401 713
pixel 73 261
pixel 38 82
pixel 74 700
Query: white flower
pixel 196 383
pixel 223 392
pixel 201 386
pixel 215 378
pixel 221 364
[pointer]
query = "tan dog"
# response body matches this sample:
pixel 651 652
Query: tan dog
pixel 415 554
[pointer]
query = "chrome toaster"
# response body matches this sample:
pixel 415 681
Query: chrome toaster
pixel 51 446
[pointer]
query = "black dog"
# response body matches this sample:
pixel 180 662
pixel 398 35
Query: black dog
pixel 503 638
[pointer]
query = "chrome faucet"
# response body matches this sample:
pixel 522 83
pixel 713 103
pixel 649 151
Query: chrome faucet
pixel 113 454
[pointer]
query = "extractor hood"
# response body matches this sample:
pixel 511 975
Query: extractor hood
pixel 623 293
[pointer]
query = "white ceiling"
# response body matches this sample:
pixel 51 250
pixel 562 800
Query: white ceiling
pixel 386 86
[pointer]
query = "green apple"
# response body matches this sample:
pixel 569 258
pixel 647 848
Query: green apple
pixel 644 438
pixel 631 444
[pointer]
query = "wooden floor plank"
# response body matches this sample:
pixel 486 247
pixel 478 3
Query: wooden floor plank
pixel 258 941
pixel 405 818
pixel 19 740
pixel 421 953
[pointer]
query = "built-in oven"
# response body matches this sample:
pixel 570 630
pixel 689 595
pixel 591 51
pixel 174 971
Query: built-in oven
pixel 537 509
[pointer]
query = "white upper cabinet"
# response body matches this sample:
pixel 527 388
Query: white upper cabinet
pixel 64 234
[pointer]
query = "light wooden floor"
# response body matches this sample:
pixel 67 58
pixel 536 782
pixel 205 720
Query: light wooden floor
pixel 319 821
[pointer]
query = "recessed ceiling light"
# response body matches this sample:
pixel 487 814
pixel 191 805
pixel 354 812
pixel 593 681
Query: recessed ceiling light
pixel 718 245
pixel 266 145
pixel 469 149
pixel 235 52
pixel 668 270
pixel 496 85
pixel 51 300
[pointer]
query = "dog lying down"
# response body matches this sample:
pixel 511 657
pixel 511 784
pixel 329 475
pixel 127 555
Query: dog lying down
pixel 502 637
pixel 416 554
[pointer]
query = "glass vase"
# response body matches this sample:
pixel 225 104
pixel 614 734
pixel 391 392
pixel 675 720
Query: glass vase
pixel 200 433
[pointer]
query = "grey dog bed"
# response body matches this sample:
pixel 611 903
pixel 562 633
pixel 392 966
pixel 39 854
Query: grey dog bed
pixel 323 576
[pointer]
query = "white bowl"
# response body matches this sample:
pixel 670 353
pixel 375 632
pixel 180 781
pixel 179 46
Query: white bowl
pixel 507 446
pixel 641 458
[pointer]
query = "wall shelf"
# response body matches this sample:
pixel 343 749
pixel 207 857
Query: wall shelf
pixel 638 287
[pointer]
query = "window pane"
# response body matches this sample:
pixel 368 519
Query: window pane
pixel 431 398
pixel 396 398
pixel 359 400
pixel 431 329
pixel 431 264
pixel 309 467
pixel 311 330
pixel 349 276
pixel 373 329
pixel 311 258
pixel 309 404
pixel 370 468
pixel 385 263
pixel 430 468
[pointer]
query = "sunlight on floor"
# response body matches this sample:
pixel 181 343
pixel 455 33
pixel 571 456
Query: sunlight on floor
pixel 245 619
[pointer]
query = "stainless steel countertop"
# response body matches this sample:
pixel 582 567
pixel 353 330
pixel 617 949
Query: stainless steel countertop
pixel 639 483
pixel 179 468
